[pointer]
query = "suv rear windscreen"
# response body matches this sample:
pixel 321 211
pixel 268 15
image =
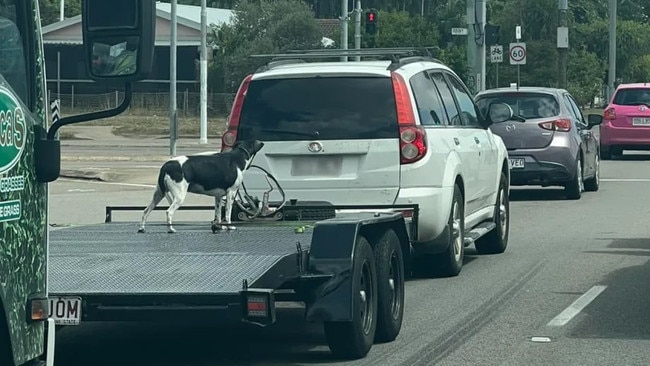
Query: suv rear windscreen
pixel 527 105
pixel 324 108
pixel 632 96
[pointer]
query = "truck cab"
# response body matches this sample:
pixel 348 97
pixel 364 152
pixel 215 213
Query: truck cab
pixel 30 157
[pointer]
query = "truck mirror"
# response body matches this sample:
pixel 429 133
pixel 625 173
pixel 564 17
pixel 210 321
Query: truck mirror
pixel 119 39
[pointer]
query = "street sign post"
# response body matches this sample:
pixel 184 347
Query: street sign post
pixel 518 53
pixel 496 57
pixel 518 57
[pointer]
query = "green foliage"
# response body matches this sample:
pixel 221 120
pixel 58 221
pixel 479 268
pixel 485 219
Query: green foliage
pixel 260 27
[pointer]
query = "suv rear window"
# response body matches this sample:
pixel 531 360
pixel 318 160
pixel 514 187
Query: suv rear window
pixel 527 105
pixel 324 108
pixel 632 96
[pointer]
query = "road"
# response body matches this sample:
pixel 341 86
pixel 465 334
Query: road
pixel 572 289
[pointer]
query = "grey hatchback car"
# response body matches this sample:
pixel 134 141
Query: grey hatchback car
pixel 549 141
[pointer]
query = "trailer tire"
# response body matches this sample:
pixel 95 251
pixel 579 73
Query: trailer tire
pixel 389 261
pixel 353 340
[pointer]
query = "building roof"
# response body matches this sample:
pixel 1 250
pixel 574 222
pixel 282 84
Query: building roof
pixel 187 16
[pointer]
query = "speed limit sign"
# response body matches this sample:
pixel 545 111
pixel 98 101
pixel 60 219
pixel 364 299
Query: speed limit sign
pixel 517 53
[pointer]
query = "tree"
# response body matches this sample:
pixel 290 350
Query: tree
pixel 260 27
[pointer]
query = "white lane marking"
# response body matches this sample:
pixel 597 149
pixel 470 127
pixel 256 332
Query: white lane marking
pixel 624 180
pixel 111 183
pixel 81 190
pixel 577 306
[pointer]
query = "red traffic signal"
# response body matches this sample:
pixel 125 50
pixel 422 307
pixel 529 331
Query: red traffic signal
pixel 371 16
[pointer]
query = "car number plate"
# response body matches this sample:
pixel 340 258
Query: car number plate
pixel 516 163
pixel 638 121
pixel 65 310
pixel 323 166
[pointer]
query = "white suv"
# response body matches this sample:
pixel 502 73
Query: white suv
pixel 404 131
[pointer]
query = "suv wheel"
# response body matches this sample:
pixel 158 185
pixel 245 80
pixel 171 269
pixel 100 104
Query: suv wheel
pixel 496 240
pixel 450 262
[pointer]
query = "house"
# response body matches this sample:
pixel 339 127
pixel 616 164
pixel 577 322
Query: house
pixel 64 58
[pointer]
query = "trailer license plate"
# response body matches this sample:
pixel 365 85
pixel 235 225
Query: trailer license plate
pixel 516 163
pixel 65 310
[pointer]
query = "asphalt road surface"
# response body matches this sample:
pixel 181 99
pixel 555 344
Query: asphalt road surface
pixel 572 289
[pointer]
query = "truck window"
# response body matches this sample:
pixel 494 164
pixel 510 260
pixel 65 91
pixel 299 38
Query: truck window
pixel 13 59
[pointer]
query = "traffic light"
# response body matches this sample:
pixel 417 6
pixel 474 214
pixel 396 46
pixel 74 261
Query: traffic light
pixel 371 22
pixel 492 34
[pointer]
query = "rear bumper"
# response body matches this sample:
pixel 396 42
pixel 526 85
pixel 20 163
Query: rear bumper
pixel 624 137
pixel 544 167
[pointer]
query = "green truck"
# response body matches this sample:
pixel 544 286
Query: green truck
pixel 30 153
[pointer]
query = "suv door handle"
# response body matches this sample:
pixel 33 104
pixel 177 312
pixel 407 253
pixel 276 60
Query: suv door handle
pixel 477 140
pixel 456 141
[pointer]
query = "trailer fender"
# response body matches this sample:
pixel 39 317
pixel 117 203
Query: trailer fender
pixel 332 246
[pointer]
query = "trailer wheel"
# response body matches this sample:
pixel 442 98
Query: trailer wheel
pixel 390 286
pixel 353 340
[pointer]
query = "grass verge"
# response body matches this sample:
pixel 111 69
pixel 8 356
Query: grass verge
pixel 134 125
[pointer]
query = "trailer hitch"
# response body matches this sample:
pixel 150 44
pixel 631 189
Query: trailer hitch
pixel 252 208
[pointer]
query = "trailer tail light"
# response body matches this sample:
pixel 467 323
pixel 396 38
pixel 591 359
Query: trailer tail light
pixel 609 114
pixel 230 136
pixel 38 309
pixel 562 125
pixel 258 306
pixel 412 138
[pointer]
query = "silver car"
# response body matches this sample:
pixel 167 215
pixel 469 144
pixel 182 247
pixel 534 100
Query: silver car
pixel 549 141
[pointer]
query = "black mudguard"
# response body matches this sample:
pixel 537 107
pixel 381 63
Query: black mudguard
pixel 331 255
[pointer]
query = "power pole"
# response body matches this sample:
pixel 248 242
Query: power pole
pixel 476 19
pixel 563 42
pixel 344 28
pixel 204 73
pixel 611 77
pixel 357 28
pixel 173 121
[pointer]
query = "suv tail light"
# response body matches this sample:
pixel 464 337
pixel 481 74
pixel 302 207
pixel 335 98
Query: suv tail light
pixel 609 114
pixel 412 138
pixel 230 136
pixel 562 125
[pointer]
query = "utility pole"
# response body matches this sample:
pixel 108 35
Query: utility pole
pixel 173 121
pixel 58 57
pixel 476 19
pixel 563 42
pixel 204 73
pixel 611 77
pixel 357 28
pixel 344 28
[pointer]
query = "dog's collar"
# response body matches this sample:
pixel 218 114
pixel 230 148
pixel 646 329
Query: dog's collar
pixel 246 151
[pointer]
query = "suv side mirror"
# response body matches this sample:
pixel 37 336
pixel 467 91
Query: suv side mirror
pixel 499 112
pixel 119 38
pixel 594 120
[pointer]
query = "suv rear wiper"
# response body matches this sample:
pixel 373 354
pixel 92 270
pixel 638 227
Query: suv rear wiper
pixel 314 134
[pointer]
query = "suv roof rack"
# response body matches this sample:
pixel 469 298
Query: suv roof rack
pixel 399 56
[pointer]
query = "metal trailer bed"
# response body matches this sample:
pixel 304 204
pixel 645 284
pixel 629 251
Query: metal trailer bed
pixel 109 272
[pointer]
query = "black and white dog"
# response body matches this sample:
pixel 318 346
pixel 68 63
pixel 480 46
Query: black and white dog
pixel 216 175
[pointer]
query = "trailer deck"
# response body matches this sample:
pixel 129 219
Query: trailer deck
pixel 111 258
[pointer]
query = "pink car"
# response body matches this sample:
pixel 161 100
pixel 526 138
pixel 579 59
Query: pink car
pixel 626 121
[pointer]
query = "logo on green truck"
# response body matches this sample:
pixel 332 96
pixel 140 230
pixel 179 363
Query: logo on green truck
pixel 12 130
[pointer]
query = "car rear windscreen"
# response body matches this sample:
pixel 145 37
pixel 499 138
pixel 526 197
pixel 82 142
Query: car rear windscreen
pixel 632 96
pixel 527 105
pixel 324 108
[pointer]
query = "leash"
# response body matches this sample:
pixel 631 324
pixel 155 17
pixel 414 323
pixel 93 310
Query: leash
pixel 262 209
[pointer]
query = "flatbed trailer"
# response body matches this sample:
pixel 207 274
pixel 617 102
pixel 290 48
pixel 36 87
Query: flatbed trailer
pixel 347 268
